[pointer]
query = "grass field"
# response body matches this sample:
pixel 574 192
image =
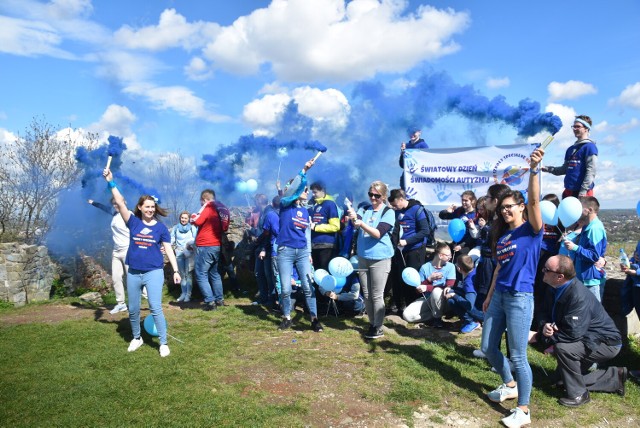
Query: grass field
pixel 64 364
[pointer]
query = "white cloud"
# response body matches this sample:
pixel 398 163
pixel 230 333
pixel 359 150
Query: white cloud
pixel 116 120
pixel 177 98
pixel 30 38
pixel 569 90
pixel 329 110
pixel 498 82
pixel 7 137
pixel 172 31
pixel 198 69
pixel 125 67
pixel 629 97
pixel 307 40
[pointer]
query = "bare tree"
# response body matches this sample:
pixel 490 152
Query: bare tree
pixel 35 169
pixel 176 179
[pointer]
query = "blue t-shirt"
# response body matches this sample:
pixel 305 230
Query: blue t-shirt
pixel 294 222
pixel 369 247
pixel 144 245
pixel 518 252
pixel 272 226
pixel 575 159
pixel 320 214
pixel 448 273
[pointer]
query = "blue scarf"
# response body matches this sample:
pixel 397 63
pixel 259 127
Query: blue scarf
pixel 184 229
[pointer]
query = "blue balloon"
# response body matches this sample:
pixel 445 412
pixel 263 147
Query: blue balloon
pixel 319 274
pixel 340 283
pixel 252 185
pixel 548 211
pixel 241 186
pixel 340 267
pixel 332 283
pixel 411 277
pixel 457 229
pixel 150 325
pixel 570 210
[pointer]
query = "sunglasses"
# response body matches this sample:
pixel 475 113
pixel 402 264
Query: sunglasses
pixel 375 195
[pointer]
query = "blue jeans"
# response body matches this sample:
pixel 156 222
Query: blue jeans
pixel 207 275
pixel 287 258
pixel 595 290
pixel 185 274
pixel 513 312
pixel 464 307
pixel 153 280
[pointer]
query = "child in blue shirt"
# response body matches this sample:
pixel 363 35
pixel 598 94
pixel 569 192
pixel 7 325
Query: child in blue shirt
pixel 462 298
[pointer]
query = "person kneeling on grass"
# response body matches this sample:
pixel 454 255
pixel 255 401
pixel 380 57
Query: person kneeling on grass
pixel 435 275
pixel 462 299
pixel 348 300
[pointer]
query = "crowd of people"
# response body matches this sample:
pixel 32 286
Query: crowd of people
pixel 510 274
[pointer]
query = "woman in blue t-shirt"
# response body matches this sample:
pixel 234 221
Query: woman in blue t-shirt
pixel 374 248
pixel 145 260
pixel 294 247
pixel 516 237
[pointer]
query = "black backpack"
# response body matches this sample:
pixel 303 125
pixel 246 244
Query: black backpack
pixel 431 237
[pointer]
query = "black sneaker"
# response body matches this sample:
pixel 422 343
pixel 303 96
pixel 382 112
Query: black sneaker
pixel 376 333
pixel 221 303
pixel 316 326
pixel 285 324
pixel 211 306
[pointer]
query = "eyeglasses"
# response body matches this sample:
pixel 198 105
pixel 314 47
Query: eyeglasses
pixel 507 207
pixel 374 195
pixel 546 269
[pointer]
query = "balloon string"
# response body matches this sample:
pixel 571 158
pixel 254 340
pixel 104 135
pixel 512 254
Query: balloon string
pixel 173 337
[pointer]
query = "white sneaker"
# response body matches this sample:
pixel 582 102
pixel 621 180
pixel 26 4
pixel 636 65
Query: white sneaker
pixel 518 418
pixel 479 354
pixel 135 344
pixel 502 393
pixel 164 351
pixel 120 307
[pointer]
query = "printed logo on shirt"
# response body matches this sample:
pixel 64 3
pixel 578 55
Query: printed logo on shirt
pixel 505 249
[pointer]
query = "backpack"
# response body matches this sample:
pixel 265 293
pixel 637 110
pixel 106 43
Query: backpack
pixel 433 226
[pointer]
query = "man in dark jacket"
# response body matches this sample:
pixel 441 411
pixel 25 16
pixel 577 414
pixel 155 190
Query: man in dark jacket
pixel 415 142
pixel 410 233
pixel 582 332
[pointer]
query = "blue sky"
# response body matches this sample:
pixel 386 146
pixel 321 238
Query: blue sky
pixel 192 76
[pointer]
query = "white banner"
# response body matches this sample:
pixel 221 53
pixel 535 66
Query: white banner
pixel 439 176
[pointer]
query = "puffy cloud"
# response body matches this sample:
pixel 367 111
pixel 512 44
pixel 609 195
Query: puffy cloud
pixel 329 110
pixel 172 31
pixel 629 97
pixel 7 137
pixel 308 40
pixel 116 120
pixel 177 98
pixel 198 69
pixel 498 82
pixel 569 90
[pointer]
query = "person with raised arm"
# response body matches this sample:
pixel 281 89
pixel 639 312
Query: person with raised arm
pixel 144 257
pixel 516 239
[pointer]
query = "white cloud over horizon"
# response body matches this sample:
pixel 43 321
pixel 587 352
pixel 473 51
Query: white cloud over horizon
pixel 498 82
pixel 629 97
pixel 569 90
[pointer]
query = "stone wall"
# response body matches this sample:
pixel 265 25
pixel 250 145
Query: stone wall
pixel 26 273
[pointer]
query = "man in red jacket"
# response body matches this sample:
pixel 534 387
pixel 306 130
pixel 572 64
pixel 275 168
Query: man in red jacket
pixel 212 220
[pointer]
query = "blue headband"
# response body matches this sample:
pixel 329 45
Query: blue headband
pixel 584 122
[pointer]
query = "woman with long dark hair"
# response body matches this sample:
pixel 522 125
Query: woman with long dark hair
pixel 145 261
pixel 516 237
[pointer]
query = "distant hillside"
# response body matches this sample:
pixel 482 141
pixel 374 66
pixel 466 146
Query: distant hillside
pixel 621 225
